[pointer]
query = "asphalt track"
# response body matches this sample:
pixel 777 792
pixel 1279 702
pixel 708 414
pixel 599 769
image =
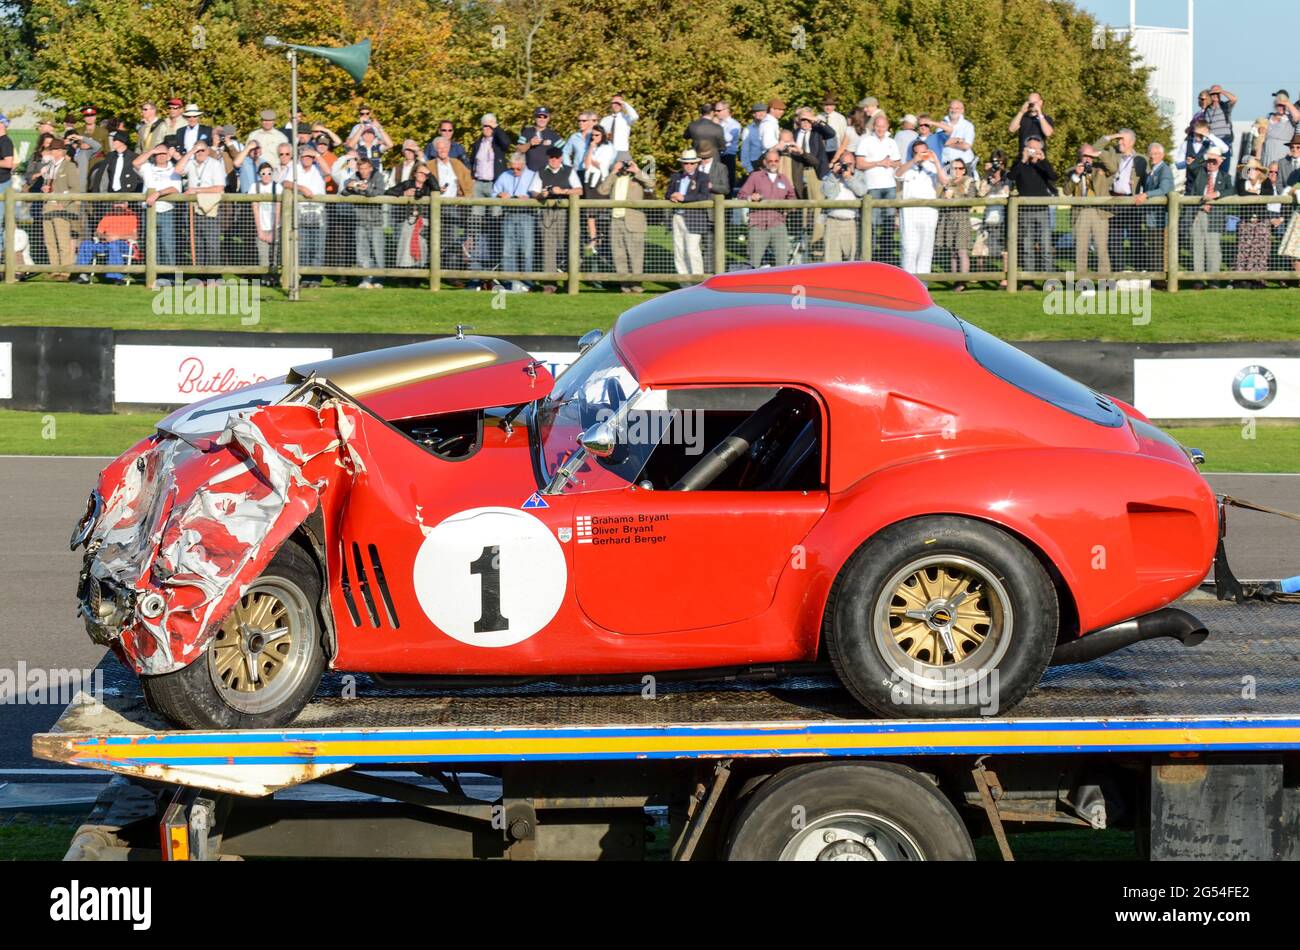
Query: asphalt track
pixel 41 498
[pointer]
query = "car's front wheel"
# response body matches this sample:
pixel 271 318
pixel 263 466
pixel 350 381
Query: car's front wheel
pixel 264 662
pixel 941 616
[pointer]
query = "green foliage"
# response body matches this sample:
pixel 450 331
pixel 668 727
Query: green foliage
pixel 114 55
pixel 434 59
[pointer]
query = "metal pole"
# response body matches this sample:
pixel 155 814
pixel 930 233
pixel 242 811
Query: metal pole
pixel 291 261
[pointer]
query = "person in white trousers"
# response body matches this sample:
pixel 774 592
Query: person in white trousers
pixel 919 178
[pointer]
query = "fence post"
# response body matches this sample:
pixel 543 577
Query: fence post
pixel 575 243
pixel 864 230
pixel 286 238
pixel 435 240
pixel 151 245
pixel 10 234
pixel 1013 243
pixel 719 234
pixel 1171 241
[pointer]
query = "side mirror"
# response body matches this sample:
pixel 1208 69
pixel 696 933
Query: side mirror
pixel 589 339
pixel 599 440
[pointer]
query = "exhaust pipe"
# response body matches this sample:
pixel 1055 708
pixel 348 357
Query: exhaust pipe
pixel 1167 622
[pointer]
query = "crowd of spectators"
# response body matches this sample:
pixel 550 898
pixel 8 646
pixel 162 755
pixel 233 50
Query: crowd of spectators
pixel 821 154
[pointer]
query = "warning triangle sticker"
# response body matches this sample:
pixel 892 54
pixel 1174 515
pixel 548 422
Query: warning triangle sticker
pixel 535 501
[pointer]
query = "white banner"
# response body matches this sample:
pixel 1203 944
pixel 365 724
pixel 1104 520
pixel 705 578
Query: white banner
pixel 1221 388
pixel 179 375
pixel 557 363
pixel 6 370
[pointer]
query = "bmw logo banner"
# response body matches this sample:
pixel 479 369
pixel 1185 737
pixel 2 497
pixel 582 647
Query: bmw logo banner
pixel 1232 387
pixel 1254 387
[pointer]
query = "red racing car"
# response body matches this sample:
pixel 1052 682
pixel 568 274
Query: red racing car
pixel 772 468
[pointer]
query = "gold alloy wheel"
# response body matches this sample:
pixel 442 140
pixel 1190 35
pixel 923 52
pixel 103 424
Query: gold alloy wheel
pixel 943 620
pixel 252 645
pixel 921 609
pixel 259 655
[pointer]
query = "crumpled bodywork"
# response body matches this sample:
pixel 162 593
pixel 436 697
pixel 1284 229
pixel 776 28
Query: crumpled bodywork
pixel 196 523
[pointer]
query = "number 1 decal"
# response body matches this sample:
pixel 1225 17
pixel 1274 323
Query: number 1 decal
pixel 488 566
pixel 490 577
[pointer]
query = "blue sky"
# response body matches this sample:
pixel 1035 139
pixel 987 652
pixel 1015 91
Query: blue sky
pixel 1233 45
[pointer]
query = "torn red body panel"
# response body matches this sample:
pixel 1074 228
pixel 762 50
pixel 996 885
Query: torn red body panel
pixel 193 523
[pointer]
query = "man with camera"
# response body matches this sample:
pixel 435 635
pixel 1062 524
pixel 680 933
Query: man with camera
pixel 843 184
pixel 919 179
pixel 1090 179
pixel 1218 116
pixel 1031 121
pixel 1034 177
pixel 627 182
pixel 359 176
pixel 366 120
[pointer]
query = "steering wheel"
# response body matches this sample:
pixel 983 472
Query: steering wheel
pixel 612 399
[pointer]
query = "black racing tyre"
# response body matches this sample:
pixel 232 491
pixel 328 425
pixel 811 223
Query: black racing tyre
pixel 941 616
pixel 848 811
pixel 263 664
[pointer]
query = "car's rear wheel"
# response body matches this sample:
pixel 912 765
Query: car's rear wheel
pixel 850 811
pixel 941 616
pixel 264 662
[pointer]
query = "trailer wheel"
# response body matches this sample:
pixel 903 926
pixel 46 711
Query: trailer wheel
pixel 848 812
pixel 263 664
pixel 941 616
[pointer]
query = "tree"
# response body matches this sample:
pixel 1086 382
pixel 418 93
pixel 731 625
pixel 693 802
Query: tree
pixel 407 80
pixel 114 55
pixel 435 59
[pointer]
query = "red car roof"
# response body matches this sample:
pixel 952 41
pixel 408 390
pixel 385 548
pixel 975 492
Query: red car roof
pixel 809 323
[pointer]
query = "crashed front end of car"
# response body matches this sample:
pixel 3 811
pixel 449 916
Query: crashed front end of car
pixel 179 525
pixel 180 521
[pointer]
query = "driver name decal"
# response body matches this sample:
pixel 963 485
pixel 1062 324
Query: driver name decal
pixel 643 529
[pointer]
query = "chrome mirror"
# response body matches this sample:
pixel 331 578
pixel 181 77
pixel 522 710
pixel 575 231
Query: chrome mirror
pixel 599 440
pixel 589 339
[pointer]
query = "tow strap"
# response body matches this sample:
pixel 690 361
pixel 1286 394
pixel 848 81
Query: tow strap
pixel 1226 585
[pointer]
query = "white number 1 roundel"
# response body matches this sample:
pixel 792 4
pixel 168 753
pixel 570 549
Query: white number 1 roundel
pixel 490 577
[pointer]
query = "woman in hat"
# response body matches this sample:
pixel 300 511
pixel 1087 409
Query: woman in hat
pixel 1255 234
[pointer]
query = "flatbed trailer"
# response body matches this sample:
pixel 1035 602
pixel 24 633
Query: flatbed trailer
pixel 1197 749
